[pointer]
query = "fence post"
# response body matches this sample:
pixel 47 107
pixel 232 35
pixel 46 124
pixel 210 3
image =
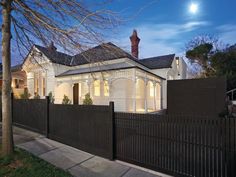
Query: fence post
pixel 47 116
pixel 111 107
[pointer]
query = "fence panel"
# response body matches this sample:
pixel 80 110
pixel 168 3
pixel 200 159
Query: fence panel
pixel 30 114
pixel 177 145
pixel 88 128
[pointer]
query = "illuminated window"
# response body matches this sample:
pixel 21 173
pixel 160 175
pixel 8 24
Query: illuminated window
pixel 151 90
pixel 16 83
pixel 36 84
pixel 97 88
pixel 44 86
pixel 170 77
pixel 177 61
pixel 106 88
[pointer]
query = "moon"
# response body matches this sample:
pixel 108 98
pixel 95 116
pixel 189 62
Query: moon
pixel 193 8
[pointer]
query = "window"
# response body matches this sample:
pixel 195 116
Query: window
pixel 96 88
pixel 44 86
pixel 170 78
pixel 36 84
pixel 177 61
pixel 106 88
pixel 16 83
pixel 151 93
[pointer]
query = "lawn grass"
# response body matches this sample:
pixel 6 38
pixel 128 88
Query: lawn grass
pixel 24 164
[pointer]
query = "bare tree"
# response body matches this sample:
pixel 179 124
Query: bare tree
pixel 71 24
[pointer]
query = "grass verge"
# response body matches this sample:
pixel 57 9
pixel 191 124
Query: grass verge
pixel 24 164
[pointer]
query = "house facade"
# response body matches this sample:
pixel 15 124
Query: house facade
pixel 106 72
pixel 169 67
pixel 19 81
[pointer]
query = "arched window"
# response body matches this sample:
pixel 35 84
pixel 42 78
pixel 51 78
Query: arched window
pixel 36 83
pixel 151 91
pixel 96 87
pixel 106 88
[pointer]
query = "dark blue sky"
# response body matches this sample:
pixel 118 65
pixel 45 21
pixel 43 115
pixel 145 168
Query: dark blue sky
pixel 165 26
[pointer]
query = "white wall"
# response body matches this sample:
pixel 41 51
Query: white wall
pixel 40 64
pixel 173 73
pixel 61 90
pixel 121 89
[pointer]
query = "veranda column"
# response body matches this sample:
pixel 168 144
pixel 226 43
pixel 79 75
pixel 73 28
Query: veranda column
pixel 134 95
pixel 161 94
pixel 145 95
pixel 109 88
pixel 89 82
pixel 154 95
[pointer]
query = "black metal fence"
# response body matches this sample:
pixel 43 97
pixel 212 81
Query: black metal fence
pixel 30 114
pixel 177 145
pixel 88 128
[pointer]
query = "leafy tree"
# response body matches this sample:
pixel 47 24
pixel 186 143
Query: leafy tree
pixel 201 55
pixel 72 24
pixel 25 95
pixel 214 61
pixel 51 98
pixel 88 100
pixel 224 63
pixel 66 100
pixel 200 49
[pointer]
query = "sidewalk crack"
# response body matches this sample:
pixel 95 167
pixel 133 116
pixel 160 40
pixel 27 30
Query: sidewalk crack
pixel 80 162
pixel 125 172
pixel 47 151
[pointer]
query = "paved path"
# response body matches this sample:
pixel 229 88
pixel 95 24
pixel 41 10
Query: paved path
pixel 78 163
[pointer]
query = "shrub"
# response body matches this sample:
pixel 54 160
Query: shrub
pixel 51 98
pixel 36 96
pixel 25 95
pixel 66 100
pixel 88 100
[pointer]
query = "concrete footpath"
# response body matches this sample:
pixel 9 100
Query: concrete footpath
pixel 78 163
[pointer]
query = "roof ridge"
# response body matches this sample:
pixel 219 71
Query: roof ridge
pixel 158 56
pixel 36 45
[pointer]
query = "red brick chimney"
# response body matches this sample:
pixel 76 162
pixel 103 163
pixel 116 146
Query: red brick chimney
pixel 134 43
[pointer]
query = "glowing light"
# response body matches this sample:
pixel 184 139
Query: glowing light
pixel 193 8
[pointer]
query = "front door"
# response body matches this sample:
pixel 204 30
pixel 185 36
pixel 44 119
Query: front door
pixel 76 94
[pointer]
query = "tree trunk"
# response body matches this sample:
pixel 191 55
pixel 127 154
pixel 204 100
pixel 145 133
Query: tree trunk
pixel 7 136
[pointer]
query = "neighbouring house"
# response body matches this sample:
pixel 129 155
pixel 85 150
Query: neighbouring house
pixel 107 72
pixel 18 82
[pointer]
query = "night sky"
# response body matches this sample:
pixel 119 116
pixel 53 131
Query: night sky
pixel 165 26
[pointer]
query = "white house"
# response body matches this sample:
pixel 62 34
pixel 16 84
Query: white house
pixel 169 67
pixel 107 72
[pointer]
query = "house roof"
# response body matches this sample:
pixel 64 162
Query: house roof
pixel 13 68
pixel 103 68
pixel 96 69
pixel 16 68
pixel 103 52
pixel 158 62
pixel 55 56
